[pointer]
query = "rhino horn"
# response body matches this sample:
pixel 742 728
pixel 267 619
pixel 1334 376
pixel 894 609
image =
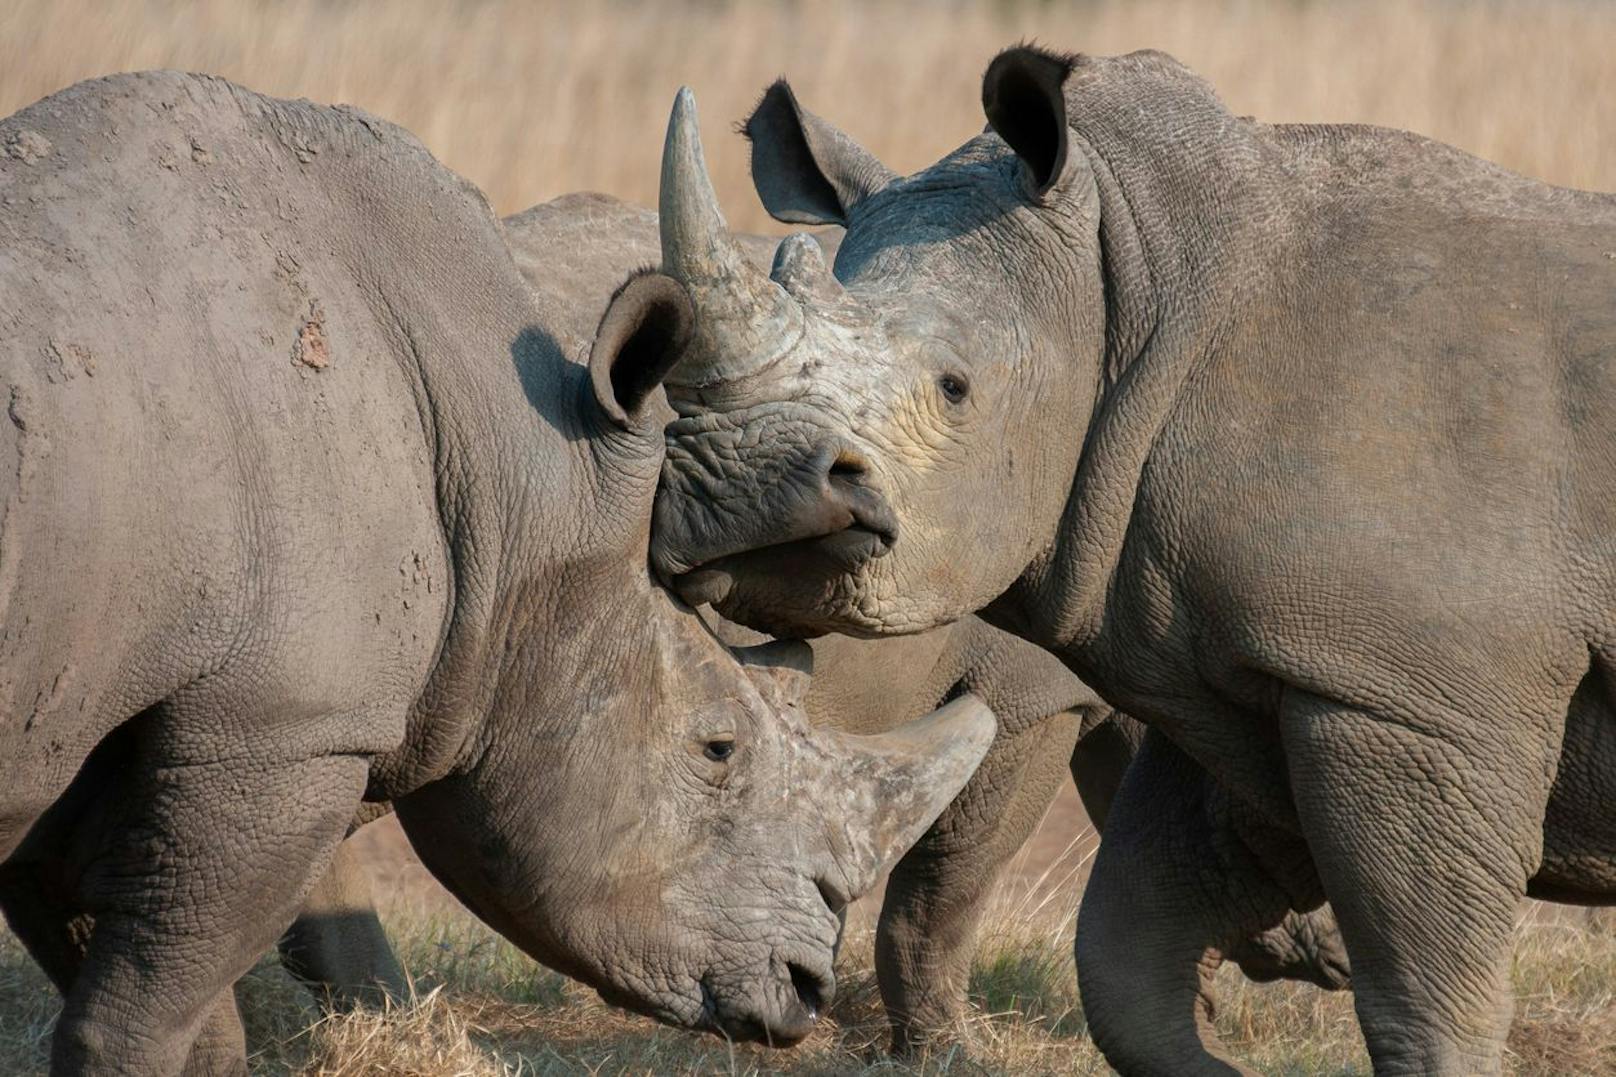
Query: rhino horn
pixel 884 792
pixel 800 268
pixel 744 320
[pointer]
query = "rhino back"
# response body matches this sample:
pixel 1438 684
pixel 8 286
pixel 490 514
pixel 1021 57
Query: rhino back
pixel 216 475
pixel 575 250
pixel 1434 378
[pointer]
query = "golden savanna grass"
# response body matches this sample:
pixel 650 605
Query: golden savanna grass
pixel 533 99
pixel 484 1010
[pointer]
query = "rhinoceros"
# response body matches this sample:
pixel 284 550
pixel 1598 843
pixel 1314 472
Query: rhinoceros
pixel 303 504
pixel 573 251
pixel 940 889
pixel 1293 441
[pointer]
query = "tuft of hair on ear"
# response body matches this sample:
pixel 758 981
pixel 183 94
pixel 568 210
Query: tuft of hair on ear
pixel 771 93
pixel 1024 97
pixel 641 337
pixel 644 269
pixel 790 180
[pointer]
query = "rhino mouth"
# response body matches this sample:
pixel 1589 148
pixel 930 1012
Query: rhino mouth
pixel 710 509
pixel 844 552
pixel 854 547
pixel 795 1015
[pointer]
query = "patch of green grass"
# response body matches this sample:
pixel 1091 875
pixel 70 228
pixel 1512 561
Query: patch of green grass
pixel 1032 983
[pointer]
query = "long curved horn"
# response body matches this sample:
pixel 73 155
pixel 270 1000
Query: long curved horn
pixel 744 321
pixel 696 245
pixel 883 791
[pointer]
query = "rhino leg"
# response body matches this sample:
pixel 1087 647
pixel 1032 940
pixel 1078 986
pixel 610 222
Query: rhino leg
pixel 40 883
pixel 336 947
pixel 1425 864
pixel 47 919
pixel 40 896
pixel 1304 946
pixel 938 892
pixel 220 1048
pixel 1100 760
pixel 201 869
pixel 1171 889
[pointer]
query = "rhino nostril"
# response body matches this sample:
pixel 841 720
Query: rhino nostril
pixel 849 466
pixel 812 991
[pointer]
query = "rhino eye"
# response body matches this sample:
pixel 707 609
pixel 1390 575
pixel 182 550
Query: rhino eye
pixel 719 749
pixel 954 386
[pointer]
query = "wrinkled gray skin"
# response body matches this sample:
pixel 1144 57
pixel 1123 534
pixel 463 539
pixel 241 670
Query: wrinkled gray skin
pixel 937 894
pixel 1294 442
pixel 574 250
pixel 303 504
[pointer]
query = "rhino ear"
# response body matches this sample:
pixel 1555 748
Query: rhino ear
pixel 641 337
pixel 780 669
pixel 805 170
pixel 1024 96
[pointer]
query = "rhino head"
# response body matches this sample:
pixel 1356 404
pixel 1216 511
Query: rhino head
pixel 903 430
pixel 642 807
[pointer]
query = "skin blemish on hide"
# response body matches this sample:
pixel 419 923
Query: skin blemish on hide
pixel 46 700
pixel 417 572
pixel 12 474
pixel 286 269
pixel 28 146
pixel 310 348
pixel 15 410
pixel 27 449
pixel 67 361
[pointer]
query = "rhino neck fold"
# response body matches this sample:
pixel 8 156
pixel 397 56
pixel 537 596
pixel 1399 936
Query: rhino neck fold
pixel 1194 222
pixel 508 459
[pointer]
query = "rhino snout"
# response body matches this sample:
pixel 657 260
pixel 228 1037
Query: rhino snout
pixel 821 497
pixel 779 1014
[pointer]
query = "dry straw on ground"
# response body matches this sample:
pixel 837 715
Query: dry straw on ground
pixel 483 1010
pixel 533 98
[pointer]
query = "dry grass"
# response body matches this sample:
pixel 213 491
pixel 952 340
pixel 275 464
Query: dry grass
pixel 533 99
pixel 484 1010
